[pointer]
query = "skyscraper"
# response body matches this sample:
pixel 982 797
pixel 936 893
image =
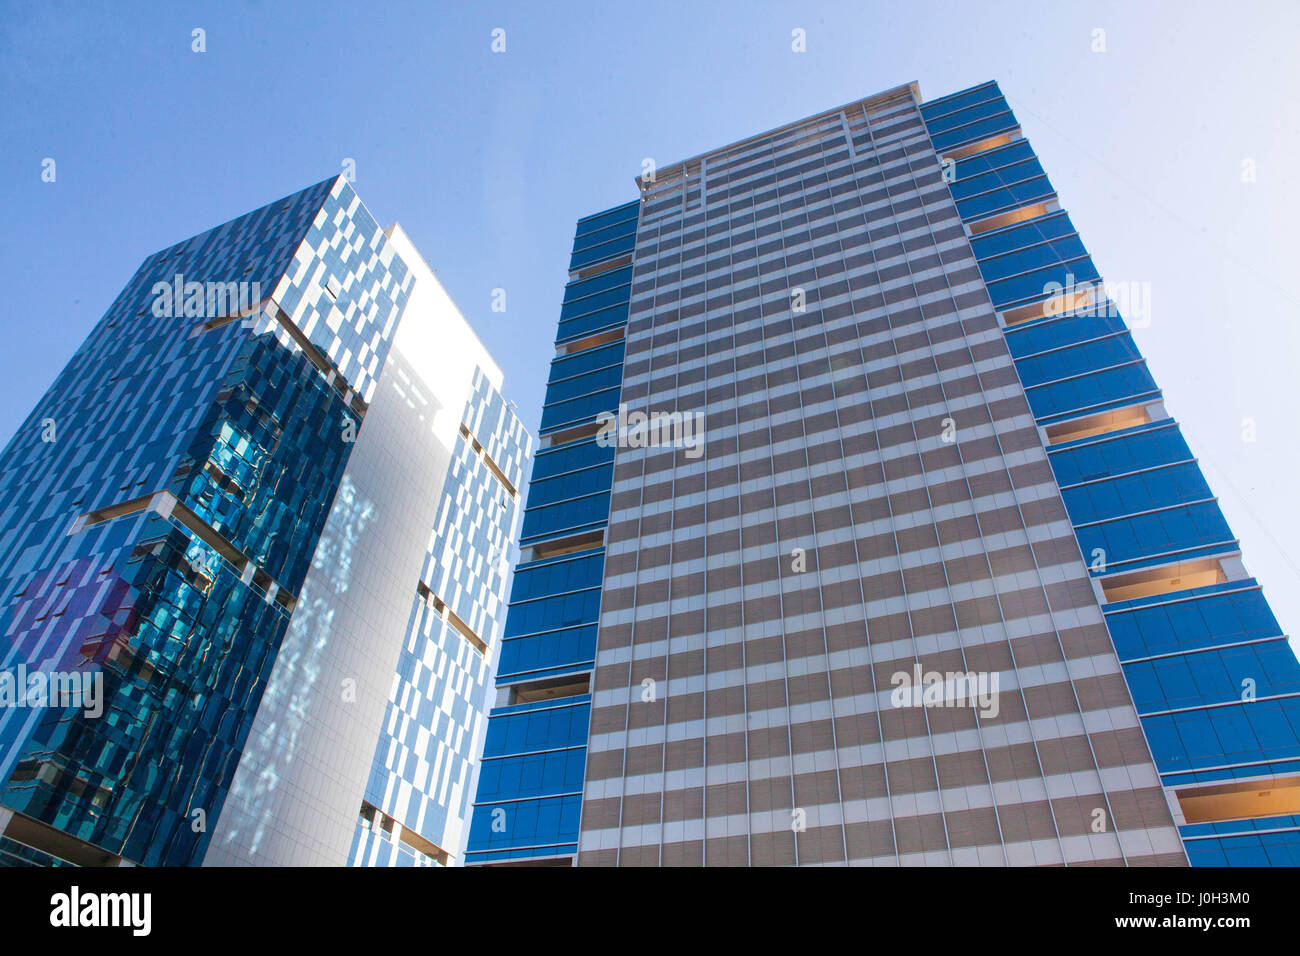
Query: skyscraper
pixel 859 532
pixel 258 524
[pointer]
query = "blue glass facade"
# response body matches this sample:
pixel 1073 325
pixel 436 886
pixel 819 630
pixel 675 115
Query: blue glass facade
pixel 529 795
pixel 1211 673
pixel 1213 679
pixel 163 504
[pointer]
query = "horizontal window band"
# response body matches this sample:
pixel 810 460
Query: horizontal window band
pixel 562 340
pixel 1079 343
pixel 439 607
pixel 558 544
pixel 1240 800
pixel 558 852
pixel 1084 374
pixel 1029 247
pixel 548 597
pixel 167 506
pixel 1211 549
pixel 1000 186
pixel 587 371
pixel 1218 705
pixel 1009 118
pixel 1111 404
pixel 333 377
pixel 626 212
pixel 590 341
pixel 1012 215
pixel 481 452
pixel 1162 579
pixel 1129 516
pixel 1236 833
pixel 599 267
pixel 541 673
pixel 929 105
pixel 529 753
pixel 381 824
pixel 1201 650
pixel 505 800
pixel 997 141
pixel 1247 584
pixel 1227 766
pixel 1109 434
pixel 1128 474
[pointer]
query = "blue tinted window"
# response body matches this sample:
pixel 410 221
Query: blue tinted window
pixel 1054 226
pixel 1034 257
pixel 571 457
pixel 1260 730
pixel 580 607
pixel 586 288
pixel 993 159
pixel 578 409
pixel 1049 280
pixel 1212 677
pixel 1256 849
pixel 1041 336
pixel 603 220
pixel 585 317
pixel 1077 359
pixel 575 484
pixel 532 730
pixel 1144 491
pixel 557 577
pixel 1006 198
pixel 1078 394
pixel 960 101
pixel 565 516
pixel 977 130
pixel 554 649
pixel 586 361
pixel 1198 622
pixel 1003 176
pixel 526 823
pixel 605 250
pixel 1174 529
pixel 599 237
pixel 977 110
pixel 1115 456
pixel 531 775
pixel 601 378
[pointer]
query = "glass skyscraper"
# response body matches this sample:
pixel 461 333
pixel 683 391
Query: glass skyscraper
pixel 939 581
pixel 262 519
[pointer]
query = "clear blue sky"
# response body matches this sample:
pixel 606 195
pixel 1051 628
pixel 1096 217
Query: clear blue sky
pixel 487 159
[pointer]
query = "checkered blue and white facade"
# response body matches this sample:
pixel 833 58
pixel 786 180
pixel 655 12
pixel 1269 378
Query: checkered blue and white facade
pixel 434 724
pixel 222 508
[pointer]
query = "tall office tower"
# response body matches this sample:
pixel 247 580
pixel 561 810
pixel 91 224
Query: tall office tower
pixel 252 551
pixel 942 584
